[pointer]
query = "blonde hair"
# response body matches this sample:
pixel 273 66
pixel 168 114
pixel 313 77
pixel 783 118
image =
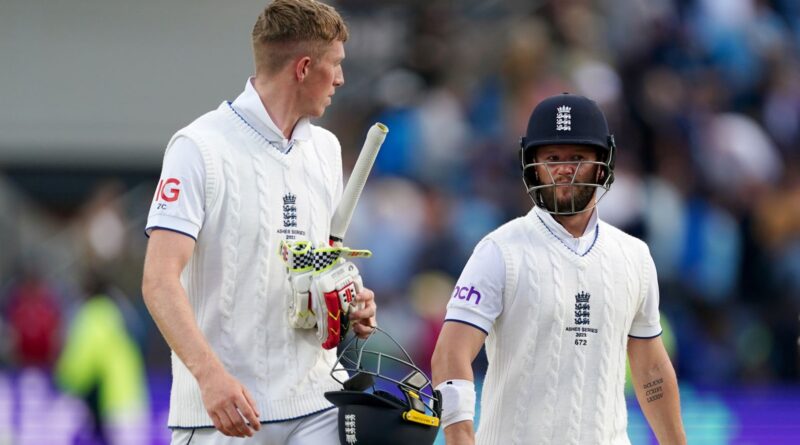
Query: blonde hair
pixel 287 27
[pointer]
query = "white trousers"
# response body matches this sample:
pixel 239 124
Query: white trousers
pixel 316 429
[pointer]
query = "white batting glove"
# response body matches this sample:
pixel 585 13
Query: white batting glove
pixel 333 292
pixel 299 264
pixel 323 286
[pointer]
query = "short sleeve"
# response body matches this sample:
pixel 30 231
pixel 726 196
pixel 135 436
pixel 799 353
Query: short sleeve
pixel 477 299
pixel 647 321
pixel 179 201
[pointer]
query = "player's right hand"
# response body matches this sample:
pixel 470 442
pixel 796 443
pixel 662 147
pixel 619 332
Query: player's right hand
pixel 228 403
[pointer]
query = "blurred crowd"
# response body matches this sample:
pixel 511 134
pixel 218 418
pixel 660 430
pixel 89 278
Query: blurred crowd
pixel 703 97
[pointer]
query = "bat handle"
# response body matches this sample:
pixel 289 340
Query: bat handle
pixel 359 285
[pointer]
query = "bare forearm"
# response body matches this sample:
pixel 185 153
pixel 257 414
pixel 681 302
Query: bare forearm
pixel 460 433
pixel 228 403
pixel 170 308
pixel 657 392
pixel 449 365
pixel 456 348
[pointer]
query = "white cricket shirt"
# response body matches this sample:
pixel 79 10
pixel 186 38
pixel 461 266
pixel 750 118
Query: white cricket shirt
pixel 484 276
pixel 180 195
pixel 233 183
pixel 558 312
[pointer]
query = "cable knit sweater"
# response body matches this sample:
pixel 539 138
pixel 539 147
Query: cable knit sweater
pixel 235 280
pixel 557 352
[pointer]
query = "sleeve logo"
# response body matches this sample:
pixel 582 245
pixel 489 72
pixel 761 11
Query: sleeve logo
pixel 466 293
pixel 168 190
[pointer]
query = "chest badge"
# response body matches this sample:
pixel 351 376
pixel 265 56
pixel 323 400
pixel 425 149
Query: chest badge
pixel 582 308
pixel 582 319
pixel 289 210
pixel 290 231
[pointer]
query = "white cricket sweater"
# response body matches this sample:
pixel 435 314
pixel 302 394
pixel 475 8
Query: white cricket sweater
pixel 256 196
pixel 557 351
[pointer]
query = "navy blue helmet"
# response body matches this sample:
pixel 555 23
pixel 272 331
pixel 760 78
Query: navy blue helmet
pixel 566 119
pixel 369 413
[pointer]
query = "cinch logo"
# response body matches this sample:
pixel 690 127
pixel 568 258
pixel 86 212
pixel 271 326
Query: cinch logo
pixel 464 293
pixel 168 190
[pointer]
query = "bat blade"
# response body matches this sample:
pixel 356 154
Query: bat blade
pixel 352 191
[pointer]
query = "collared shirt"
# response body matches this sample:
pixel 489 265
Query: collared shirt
pixel 183 173
pixel 484 275
pixel 245 198
pixel 250 108
pixel 580 245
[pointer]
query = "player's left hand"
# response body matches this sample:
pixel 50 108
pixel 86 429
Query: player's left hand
pixel 363 320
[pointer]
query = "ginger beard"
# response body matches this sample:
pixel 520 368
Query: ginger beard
pixel 561 196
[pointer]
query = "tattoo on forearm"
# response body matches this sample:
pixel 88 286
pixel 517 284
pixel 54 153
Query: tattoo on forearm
pixel 653 390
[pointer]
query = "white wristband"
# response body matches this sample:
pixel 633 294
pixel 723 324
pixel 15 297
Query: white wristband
pixel 458 401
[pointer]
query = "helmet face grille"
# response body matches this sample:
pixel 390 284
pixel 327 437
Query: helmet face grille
pixel 360 358
pixel 566 119
pixel 379 417
pixel 544 194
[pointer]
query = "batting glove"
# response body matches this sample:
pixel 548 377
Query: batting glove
pixel 298 258
pixel 333 292
pixel 324 284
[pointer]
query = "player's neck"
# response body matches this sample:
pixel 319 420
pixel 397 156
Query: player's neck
pixel 280 103
pixel 575 224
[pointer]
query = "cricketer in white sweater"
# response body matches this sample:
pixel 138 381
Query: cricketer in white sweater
pixel 231 181
pixel 558 297
pixel 558 311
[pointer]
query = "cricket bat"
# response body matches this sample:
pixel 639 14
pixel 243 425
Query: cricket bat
pixel 352 191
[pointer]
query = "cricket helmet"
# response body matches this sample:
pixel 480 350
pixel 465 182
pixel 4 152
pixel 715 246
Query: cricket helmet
pixel 566 119
pixel 369 415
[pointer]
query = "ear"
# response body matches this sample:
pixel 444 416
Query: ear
pixel 301 68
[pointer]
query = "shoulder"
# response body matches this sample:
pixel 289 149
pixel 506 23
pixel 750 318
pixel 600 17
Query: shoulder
pixel 507 241
pixel 183 156
pixel 327 147
pixel 323 135
pixel 210 123
pixel 205 135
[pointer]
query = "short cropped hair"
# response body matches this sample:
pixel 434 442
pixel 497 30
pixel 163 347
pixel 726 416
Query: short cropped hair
pixel 286 27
